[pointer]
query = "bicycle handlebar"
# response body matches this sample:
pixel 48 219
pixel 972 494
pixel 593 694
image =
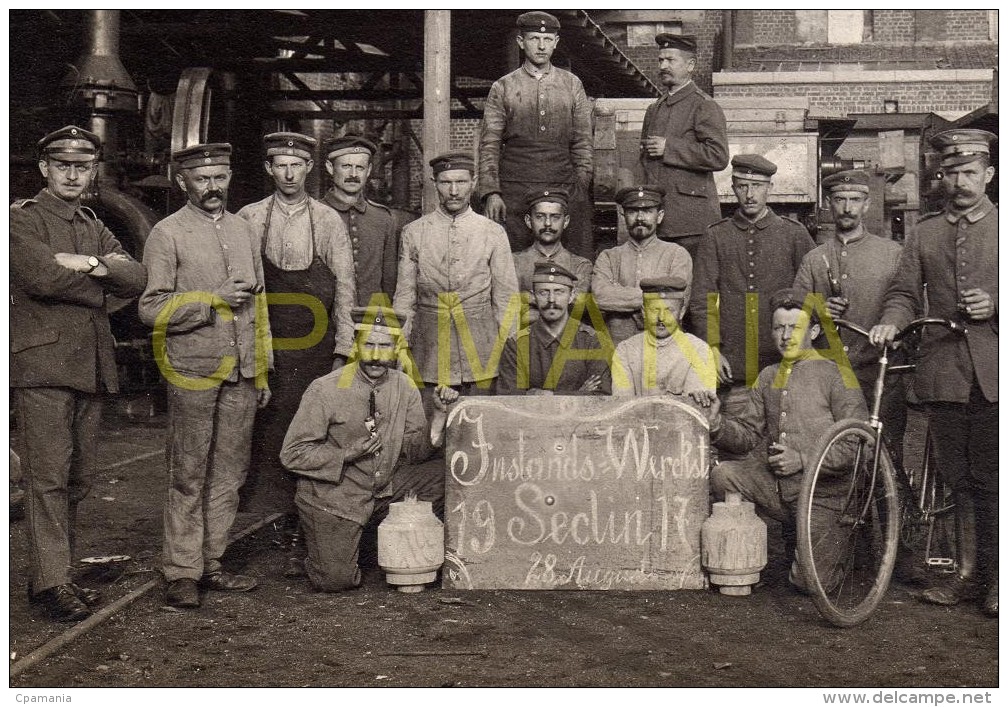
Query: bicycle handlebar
pixel 915 325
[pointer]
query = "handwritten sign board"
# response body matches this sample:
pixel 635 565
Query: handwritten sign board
pixel 569 492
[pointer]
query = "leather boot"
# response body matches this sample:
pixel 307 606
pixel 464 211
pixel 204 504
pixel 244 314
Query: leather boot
pixel 964 585
pixel 987 550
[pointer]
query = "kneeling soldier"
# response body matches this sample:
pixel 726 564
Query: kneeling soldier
pixel 349 443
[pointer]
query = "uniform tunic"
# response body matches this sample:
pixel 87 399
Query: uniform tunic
pixel 617 275
pixel 795 415
pixel 536 133
pixel 673 371
pixel 374 240
pixel 543 349
pixel 210 430
pixel 738 258
pixel 61 360
pixel 335 498
pixel 864 267
pixel 696 146
pixel 525 261
pixel 464 256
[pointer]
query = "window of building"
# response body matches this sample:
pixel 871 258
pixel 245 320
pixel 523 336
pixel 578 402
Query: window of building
pixel 830 26
pixel 642 34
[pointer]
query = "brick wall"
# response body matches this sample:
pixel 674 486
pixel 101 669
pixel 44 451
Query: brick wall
pixel 967 26
pixel 890 26
pixel 840 99
pixel 773 26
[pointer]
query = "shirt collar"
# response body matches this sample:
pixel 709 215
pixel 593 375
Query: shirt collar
pixel 762 222
pixel 979 210
pixel 543 335
pixel 62 208
pixel 338 202
pixel 538 247
pixel 195 210
pixel 673 96
pixel 291 209
pixel 440 210
pixel 536 73
pixel 859 235
pixel 653 238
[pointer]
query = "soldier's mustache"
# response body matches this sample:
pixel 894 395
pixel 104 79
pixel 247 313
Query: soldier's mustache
pixel 212 194
pixel 352 180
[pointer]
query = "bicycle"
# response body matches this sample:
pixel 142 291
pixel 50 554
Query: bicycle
pixel 849 511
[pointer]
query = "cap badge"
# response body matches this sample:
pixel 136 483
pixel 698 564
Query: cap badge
pixel 356 149
pixel 73 131
pixel 290 143
pixel 640 194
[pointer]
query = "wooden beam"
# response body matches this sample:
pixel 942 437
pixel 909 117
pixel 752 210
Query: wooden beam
pixel 437 94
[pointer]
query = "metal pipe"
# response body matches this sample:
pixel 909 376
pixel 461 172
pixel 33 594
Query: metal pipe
pixel 103 32
pixel 727 40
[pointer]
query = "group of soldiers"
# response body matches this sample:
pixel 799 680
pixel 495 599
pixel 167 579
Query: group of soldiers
pixel 280 330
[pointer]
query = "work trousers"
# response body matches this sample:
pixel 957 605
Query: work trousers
pixel 58 427
pixel 209 443
pixel 965 445
pixel 333 543
pixel 778 498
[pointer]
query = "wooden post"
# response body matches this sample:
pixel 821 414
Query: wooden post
pixel 437 95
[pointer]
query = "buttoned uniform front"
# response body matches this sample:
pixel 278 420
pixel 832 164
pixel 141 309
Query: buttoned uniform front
pixel 305 250
pixel 537 132
pixel 794 415
pixel 617 275
pixel 673 371
pixel 525 261
pixel 743 263
pixel 696 146
pixel 863 266
pixel 62 360
pixel 465 256
pixel 209 431
pixel 543 348
pixel 336 498
pixel 374 241
pixel 957 376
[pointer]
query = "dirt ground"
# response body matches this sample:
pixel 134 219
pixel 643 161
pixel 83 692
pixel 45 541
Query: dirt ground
pixel 284 634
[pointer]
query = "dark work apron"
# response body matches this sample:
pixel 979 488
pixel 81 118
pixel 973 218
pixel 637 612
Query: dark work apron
pixel 269 487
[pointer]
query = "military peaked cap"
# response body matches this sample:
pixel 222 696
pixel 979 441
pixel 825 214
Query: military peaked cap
pixel 293 144
pixel 204 155
pixel 848 180
pixel 684 42
pixel 70 144
pixel 755 167
pixel 962 146
pixel 558 196
pixel 537 22
pixel 546 271
pixel 642 195
pixel 349 145
pixel 453 160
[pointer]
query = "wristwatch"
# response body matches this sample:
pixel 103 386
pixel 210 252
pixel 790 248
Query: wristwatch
pixel 93 262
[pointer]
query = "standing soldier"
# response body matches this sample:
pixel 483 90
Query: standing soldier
pixel 305 252
pixel 547 216
pixel 374 235
pixel 741 262
pixel 212 344
pixel 618 271
pixel 852 272
pixel 684 140
pixel 537 132
pixel 955 253
pixel 63 263
pixel 454 265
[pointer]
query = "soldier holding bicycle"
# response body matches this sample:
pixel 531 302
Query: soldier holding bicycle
pixel 787 410
pixel 954 253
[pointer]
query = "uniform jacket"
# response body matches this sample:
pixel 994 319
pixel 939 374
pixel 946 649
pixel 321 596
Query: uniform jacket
pixel 536 129
pixel 696 146
pixel 466 256
pixel 950 255
pixel 59 327
pixel 674 370
pixel 863 267
pixel 191 252
pixel 374 240
pixel 739 258
pixel 332 246
pixel 331 418
pixel 543 349
pixel 617 275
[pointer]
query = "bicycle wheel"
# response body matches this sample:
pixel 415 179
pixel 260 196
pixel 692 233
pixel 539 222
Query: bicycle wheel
pixel 848 523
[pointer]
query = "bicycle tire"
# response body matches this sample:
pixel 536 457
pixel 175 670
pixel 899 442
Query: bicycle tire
pixel 848 524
